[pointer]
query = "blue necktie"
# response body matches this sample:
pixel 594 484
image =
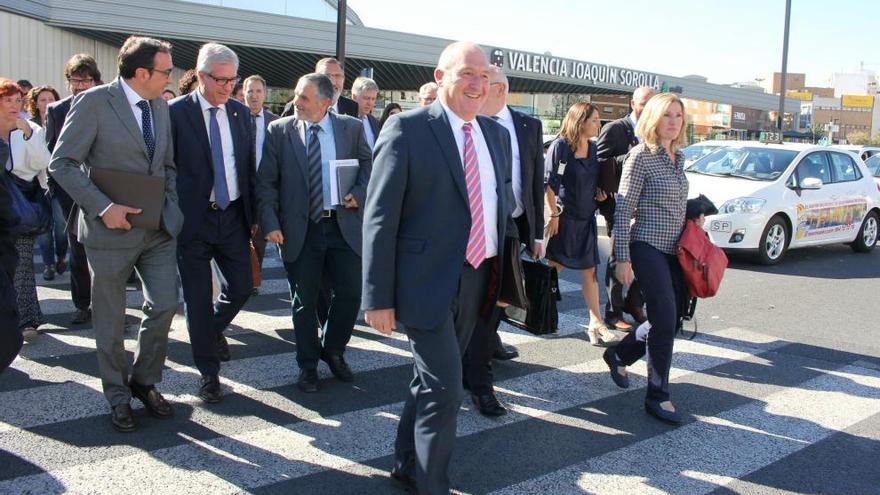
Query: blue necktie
pixel 316 185
pixel 221 191
pixel 147 127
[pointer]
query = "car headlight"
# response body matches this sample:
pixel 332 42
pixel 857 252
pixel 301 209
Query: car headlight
pixel 742 205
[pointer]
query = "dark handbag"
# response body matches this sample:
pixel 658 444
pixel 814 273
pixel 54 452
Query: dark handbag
pixel 513 285
pixel 542 291
pixel 31 204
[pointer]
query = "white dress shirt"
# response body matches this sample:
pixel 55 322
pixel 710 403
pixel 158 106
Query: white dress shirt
pixel 488 183
pixel 634 122
pixel 261 135
pixel 505 118
pixel 368 131
pixel 225 142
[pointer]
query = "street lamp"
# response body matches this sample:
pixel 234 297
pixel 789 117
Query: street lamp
pixel 781 114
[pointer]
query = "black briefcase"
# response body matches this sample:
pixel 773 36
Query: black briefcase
pixel 542 291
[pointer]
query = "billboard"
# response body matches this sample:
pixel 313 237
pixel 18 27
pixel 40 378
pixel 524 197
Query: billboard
pixel 857 101
pixel 800 95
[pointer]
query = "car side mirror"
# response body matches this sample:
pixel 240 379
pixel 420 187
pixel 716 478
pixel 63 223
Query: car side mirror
pixel 811 183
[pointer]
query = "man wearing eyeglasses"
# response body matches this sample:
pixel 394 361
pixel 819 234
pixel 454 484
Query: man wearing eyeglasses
pixel 124 127
pixel 81 72
pixel 214 152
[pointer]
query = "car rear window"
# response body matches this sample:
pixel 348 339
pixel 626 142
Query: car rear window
pixel 873 164
pixel 749 163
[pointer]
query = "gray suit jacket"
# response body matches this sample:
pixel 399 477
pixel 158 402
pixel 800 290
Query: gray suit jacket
pixel 283 187
pixel 101 132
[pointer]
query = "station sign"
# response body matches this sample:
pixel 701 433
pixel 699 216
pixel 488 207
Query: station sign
pixel 572 69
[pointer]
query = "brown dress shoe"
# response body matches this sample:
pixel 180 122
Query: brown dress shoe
pixel 153 401
pixel 122 418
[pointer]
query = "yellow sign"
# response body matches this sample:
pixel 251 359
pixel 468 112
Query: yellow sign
pixel 800 95
pixel 857 101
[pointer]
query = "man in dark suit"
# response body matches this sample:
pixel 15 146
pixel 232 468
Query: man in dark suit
pixel 613 145
pixel 255 95
pixel 364 91
pixel 81 72
pixel 10 336
pixel 214 152
pixel 124 126
pixel 333 69
pixel 527 179
pixel 318 235
pixel 437 210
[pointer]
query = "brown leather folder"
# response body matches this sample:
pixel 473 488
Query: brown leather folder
pixel 146 192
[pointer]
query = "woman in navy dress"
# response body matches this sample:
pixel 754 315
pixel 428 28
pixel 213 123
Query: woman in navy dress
pixel 572 193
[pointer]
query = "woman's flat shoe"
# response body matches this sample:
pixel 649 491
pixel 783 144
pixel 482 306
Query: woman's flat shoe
pixel 610 357
pixel 600 336
pixel 672 417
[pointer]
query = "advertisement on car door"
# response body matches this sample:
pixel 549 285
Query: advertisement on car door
pixel 816 220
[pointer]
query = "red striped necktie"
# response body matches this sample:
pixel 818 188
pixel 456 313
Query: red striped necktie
pixel 476 247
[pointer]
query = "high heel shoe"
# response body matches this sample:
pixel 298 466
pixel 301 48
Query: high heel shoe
pixel 600 335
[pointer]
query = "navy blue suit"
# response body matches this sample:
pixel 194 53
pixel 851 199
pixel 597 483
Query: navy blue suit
pixel 416 226
pixel 209 233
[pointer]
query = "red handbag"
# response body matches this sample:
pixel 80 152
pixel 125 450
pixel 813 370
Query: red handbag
pixel 702 262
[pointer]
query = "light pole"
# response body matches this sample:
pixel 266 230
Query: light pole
pixel 781 115
pixel 341 16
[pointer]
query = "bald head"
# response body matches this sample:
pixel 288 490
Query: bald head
pixel 462 74
pixel 498 87
pixel 640 98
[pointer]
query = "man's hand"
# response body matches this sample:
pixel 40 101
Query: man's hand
pixel 537 250
pixel 600 195
pixel 349 201
pixel 624 272
pixel 22 125
pixel 254 229
pixel 275 236
pixel 114 217
pixel 381 320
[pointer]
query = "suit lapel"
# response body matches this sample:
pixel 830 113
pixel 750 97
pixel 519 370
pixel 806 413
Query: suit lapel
pixel 522 138
pixel 194 114
pixel 159 131
pixel 442 130
pixel 120 105
pixel 239 142
pixel 498 164
pixel 338 136
pixel 299 148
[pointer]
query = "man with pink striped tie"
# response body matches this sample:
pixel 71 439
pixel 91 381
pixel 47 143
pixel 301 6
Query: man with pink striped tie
pixel 438 205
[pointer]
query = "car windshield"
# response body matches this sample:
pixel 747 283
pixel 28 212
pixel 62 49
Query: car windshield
pixel 873 164
pixel 696 151
pixel 748 163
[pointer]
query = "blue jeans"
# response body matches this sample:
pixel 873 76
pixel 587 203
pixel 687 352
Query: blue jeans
pixel 53 244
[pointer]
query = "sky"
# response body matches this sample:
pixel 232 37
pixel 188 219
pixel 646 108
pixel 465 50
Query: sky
pixel 725 41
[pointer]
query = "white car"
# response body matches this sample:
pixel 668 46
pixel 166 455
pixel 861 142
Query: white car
pixel 698 150
pixel 774 197
pixel 873 164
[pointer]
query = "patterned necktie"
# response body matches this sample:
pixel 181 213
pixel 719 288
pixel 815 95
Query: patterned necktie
pixel 316 186
pixel 221 190
pixel 476 246
pixel 147 127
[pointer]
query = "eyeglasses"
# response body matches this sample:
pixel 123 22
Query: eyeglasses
pixel 166 72
pixel 223 81
pixel 77 80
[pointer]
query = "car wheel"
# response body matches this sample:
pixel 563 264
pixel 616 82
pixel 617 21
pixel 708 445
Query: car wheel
pixel 774 242
pixel 867 238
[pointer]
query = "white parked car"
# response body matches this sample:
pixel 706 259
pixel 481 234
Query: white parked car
pixel 774 197
pixel 862 151
pixel 696 151
pixel 873 164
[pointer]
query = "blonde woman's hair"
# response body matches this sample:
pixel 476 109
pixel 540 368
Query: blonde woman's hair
pixel 574 120
pixel 649 120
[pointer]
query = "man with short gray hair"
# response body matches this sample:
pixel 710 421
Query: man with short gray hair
pixel 427 93
pixel 317 233
pixel 214 152
pixel 364 91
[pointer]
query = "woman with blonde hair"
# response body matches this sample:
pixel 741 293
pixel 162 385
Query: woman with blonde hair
pixel 572 194
pixel 653 189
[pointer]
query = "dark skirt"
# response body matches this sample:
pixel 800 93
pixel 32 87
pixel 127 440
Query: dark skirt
pixel 29 314
pixel 575 246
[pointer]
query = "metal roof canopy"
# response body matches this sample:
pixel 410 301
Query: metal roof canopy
pixel 282 48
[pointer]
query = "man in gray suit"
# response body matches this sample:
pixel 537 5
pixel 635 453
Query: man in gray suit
pixel 436 216
pixel 316 235
pixel 125 126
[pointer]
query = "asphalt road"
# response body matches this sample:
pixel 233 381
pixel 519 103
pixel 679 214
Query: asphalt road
pixel 781 387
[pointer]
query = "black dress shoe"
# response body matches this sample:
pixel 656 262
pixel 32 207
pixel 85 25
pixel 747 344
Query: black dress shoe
pixel 488 405
pixel 637 313
pixel 338 367
pixel 617 323
pixel 210 390
pixel 503 353
pixel 404 481
pixel 653 408
pixel 61 267
pixel 122 418
pixel 308 381
pixel 610 357
pixel 153 401
pixel 81 316
pixel 49 273
pixel 223 348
